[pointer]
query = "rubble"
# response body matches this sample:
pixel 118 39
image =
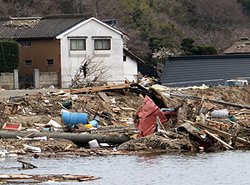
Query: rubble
pixel 134 117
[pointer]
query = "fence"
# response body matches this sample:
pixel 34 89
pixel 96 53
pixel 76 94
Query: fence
pixel 45 80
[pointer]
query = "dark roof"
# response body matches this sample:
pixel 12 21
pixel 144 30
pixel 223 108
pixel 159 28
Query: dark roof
pixel 38 27
pixel 241 46
pixel 207 69
pixel 133 56
pixel 113 23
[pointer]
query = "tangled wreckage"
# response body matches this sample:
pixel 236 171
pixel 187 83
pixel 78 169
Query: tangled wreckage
pixel 125 119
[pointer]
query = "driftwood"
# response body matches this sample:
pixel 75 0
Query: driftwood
pixel 27 165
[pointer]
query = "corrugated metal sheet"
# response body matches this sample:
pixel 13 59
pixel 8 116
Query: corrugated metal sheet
pixel 206 69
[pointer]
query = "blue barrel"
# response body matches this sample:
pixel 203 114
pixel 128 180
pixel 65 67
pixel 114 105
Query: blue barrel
pixel 94 123
pixel 74 118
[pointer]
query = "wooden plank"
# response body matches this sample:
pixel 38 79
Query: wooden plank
pixel 28 135
pixel 128 109
pixel 104 97
pixel 95 89
pixel 159 121
pixel 218 139
pixel 220 132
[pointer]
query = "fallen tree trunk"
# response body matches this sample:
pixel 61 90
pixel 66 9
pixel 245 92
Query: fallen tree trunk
pixel 78 139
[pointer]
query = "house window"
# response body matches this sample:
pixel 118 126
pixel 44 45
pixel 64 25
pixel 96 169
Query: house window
pixel 28 62
pixel 77 44
pixel 124 58
pixel 102 44
pixel 50 62
pixel 24 43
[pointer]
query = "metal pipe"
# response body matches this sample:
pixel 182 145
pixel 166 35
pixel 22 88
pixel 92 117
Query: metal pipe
pixel 77 138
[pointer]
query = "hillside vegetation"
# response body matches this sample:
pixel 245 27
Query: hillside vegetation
pixel 154 25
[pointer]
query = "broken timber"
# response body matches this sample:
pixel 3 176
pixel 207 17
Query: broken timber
pixel 27 165
pixel 217 131
pixel 96 89
pixel 218 139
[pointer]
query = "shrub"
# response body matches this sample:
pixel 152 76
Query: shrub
pixel 9 56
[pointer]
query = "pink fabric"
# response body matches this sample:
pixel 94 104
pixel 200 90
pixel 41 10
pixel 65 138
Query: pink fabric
pixel 147 115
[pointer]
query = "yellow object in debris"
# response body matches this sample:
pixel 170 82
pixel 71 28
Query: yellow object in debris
pixel 88 126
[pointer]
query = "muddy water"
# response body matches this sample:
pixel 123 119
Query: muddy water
pixel 230 167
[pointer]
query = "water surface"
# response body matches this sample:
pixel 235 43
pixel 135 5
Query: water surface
pixel 229 167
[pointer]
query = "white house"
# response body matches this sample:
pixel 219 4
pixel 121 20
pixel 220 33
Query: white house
pixel 102 44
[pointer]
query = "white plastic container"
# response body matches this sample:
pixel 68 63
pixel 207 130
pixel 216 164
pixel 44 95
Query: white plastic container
pixel 220 113
pixel 54 124
pixel 93 143
pixel 33 148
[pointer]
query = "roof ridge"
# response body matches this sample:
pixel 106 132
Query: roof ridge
pixel 67 16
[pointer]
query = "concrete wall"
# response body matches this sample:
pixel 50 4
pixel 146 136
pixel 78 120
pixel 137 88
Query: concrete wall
pixel 89 29
pixel 7 81
pixel 46 79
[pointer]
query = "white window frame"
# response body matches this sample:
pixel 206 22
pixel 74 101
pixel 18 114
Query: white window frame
pixel 100 40
pixel 77 46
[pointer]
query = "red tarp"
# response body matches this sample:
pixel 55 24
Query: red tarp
pixel 147 115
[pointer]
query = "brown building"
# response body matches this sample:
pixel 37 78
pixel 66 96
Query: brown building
pixel 38 54
pixel 36 36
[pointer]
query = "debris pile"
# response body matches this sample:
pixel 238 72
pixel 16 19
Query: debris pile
pixel 35 179
pixel 129 117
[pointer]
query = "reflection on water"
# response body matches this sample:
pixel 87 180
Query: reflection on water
pixel 230 167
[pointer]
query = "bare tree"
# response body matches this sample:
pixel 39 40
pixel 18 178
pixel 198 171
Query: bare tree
pixel 90 73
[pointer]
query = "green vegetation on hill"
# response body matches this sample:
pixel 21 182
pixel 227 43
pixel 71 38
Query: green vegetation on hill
pixel 155 25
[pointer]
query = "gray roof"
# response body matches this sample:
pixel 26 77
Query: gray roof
pixel 205 69
pixel 133 56
pixel 37 27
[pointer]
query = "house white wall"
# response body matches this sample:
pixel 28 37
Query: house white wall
pixel 130 69
pixel 112 59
